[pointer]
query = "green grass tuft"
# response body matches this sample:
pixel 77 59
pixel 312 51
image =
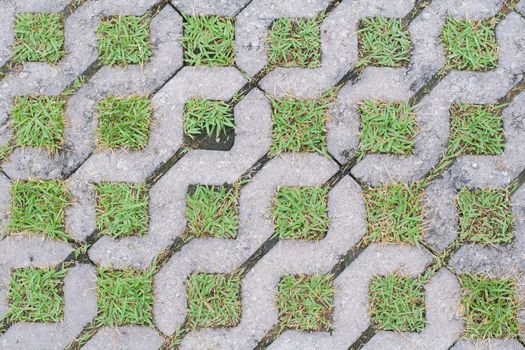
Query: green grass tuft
pixel 37 207
pixel 122 209
pixel 124 122
pixel 394 214
pixel 35 295
pixel 124 40
pixel 124 297
pixel 295 42
pixel 470 45
pixel 207 117
pixel 301 213
pixel 397 304
pixel 383 42
pixel 306 302
pixel 490 307
pixel 387 127
pixel 485 216
pixel 39 37
pixel 213 300
pixel 213 212
pixel 299 125
pixel 209 41
pixel 38 121
pixel 476 130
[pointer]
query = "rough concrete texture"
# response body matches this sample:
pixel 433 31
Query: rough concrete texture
pixel 169 167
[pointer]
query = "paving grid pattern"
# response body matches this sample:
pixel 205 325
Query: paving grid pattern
pixel 169 169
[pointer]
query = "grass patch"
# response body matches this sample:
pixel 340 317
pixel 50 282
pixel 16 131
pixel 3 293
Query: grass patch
pixel 39 37
pixel 387 127
pixel 213 300
pixel 394 213
pixel 36 295
pixel 306 302
pixel 383 42
pixel 208 117
pixel 301 213
pixel 397 304
pixel 124 122
pixel 38 121
pixel 299 125
pixel 295 42
pixel 124 297
pixel 124 40
pixel 209 41
pixel 470 45
pixel 490 307
pixel 37 207
pixel 122 209
pixel 213 212
pixel 476 129
pixel 485 216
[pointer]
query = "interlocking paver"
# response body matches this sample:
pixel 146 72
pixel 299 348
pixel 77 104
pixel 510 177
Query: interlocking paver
pixel 253 174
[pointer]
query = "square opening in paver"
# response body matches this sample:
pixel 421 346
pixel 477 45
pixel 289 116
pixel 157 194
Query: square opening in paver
pixel 38 121
pixel 208 120
pixel 301 213
pixel 476 129
pixel 470 45
pixel 397 303
pixel 490 307
pixel 387 127
pixel 209 41
pixel 36 295
pixel 124 122
pixel 214 300
pixel 124 297
pixel 39 37
pixel 383 42
pixel 124 40
pixel 485 216
pixel 122 209
pixel 299 125
pixel 37 207
pixel 295 42
pixel 305 302
pixel 394 213
pixel 212 211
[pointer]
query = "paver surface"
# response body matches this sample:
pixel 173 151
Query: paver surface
pixel 252 174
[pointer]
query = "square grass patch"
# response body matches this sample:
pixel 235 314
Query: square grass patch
pixel 470 45
pixel 122 209
pixel 387 127
pixel 397 304
pixel 299 125
pixel 124 297
pixel 39 37
pixel 207 117
pixel 124 40
pixel 476 129
pixel 38 121
pixel 383 42
pixel 213 212
pixel 124 123
pixel 394 213
pixel 305 302
pixel 485 216
pixel 301 213
pixel 209 41
pixel 36 295
pixel 295 42
pixel 213 300
pixel 490 307
pixel 37 207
